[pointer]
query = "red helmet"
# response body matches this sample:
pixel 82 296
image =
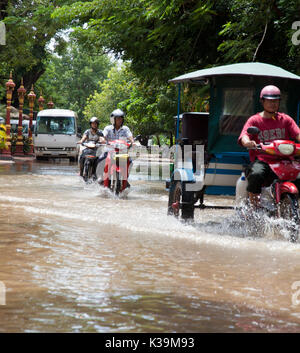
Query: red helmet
pixel 270 92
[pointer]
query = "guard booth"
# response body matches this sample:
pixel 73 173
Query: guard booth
pixel 234 97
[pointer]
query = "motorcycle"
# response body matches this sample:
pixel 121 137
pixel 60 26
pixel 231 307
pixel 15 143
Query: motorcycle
pixel 280 199
pixel 116 168
pixel 89 166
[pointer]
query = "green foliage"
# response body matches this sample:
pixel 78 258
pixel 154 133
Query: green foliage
pixel 26 144
pixel 70 78
pixel 149 109
pixel 262 31
pixel 3 137
pixel 2 110
pixel 14 140
pixel 29 29
pixel 115 89
pixel 160 38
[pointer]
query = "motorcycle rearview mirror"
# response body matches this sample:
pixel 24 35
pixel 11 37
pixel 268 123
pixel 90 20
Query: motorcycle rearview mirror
pixel 253 130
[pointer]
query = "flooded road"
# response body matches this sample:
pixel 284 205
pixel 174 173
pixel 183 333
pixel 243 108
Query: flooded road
pixel 73 259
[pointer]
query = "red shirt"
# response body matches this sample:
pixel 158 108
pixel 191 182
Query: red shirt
pixel 280 127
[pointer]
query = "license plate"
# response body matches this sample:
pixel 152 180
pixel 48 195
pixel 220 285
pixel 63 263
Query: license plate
pixel 121 156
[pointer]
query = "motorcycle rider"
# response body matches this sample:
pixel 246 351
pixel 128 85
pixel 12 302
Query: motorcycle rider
pixel 273 125
pixel 116 131
pixel 93 134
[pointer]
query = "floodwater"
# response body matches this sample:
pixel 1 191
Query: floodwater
pixel 74 259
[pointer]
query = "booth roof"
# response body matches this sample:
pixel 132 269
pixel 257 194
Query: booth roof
pixel 247 69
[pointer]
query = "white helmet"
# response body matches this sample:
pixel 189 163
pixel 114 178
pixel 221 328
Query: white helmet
pixel 115 114
pixel 94 120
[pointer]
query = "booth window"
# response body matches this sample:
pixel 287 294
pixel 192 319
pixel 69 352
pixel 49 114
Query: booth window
pixel 237 108
pixel 283 103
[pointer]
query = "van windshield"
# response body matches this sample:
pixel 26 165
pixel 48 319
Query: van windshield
pixel 55 125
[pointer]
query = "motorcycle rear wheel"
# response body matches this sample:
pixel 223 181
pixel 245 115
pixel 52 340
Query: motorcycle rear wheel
pixel 289 210
pixel 87 171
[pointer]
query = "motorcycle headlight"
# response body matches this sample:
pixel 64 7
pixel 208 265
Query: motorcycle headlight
pixel 286 149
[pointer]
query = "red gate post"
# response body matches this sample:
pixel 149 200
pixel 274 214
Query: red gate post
pixel 41 102
pixel 31 97
pixel 10 85
pixel 19 146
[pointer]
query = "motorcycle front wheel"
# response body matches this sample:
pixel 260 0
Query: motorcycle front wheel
pixel 115 183
pixel 289 210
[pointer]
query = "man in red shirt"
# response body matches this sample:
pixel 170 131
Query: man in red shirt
pixel 273 126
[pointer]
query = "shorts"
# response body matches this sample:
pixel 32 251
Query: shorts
pixel 259 174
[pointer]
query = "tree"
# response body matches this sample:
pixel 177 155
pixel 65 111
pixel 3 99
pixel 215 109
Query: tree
pixel 111 92
pixel 29 29
pixel 159 37
pixel 149 109
pixel 162 39
pixel 72 77
pixel 261 30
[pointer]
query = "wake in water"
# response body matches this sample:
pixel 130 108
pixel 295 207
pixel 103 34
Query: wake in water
pixel 245 223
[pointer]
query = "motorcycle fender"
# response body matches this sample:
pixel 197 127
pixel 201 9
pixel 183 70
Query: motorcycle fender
pixel 285 187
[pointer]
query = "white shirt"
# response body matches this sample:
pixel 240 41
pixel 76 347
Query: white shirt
pixel 111 133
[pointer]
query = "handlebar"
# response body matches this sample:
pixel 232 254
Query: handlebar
pixel 258 147
pixel 112 143
pixel 92 145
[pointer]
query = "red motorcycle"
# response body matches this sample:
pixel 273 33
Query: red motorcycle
pixel 281 198
pixel 116 168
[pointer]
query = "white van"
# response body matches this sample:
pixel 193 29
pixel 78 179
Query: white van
pixel 25 124
pixel 55 134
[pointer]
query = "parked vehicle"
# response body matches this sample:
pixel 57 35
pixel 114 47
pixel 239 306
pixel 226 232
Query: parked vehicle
pixel 234 97
pixel 14 123
pixel 56 135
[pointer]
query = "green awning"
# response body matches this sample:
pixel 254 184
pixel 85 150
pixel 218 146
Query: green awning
pixel 247 69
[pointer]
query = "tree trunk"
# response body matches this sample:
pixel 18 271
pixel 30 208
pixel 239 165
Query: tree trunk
pixel 158 140
pixel 171 139
pixel 3 7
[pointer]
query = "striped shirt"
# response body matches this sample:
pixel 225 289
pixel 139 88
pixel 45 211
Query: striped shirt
pixel 110 133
